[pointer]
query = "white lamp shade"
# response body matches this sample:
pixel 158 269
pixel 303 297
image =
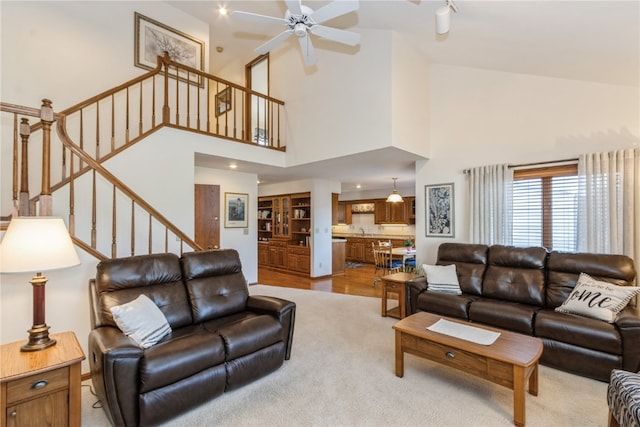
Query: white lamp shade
pixel 443 19
pixel 36 244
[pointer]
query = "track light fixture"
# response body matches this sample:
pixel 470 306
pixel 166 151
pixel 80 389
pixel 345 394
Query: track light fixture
pixel 443 17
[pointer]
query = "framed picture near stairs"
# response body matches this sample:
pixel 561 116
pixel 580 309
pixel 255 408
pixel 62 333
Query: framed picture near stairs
pixel 235 210
pixel 152 39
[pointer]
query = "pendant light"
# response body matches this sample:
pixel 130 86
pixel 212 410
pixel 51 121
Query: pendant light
pixel 394 197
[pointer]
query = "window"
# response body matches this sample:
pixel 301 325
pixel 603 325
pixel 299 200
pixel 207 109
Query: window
pixel 545 207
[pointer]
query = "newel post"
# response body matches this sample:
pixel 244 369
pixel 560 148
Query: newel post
pixel 46 118
pixel 23 201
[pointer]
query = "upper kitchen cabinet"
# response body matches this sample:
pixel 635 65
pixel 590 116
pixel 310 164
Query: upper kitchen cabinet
pixel 390 213
pixel 344 213
pixel 341 211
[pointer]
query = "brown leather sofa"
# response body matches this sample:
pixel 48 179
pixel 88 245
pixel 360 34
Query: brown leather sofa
pixel 221 338
pixel 518 289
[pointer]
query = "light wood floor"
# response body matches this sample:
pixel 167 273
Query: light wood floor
pixel 355 281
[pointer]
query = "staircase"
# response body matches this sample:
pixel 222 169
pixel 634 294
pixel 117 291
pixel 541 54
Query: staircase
pixel 105 217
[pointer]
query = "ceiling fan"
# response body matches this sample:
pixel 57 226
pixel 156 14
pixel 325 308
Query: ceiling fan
pixel 302 20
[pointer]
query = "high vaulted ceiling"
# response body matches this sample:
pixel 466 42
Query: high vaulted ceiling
pixel 596 41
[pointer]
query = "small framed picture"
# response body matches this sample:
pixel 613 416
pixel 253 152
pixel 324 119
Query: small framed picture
pixel 223 101
pixel 439 208
pixel 153 38
pixel 235 210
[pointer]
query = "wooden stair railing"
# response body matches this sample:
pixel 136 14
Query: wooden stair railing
pixel 171 95
pixel 156 239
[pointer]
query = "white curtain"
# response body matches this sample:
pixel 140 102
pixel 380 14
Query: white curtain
pixel 490 215
pixel 609 203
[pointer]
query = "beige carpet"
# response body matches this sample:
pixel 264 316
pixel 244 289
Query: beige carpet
pixel 341 373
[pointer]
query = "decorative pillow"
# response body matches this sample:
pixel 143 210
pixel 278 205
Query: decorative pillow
pixel 597 299
pixel 142 321
pixel 442 278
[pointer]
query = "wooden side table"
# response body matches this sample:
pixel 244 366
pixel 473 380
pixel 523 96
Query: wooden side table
pixel 396 284
pixel 41 387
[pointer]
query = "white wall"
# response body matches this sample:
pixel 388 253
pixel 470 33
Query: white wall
pixel 483 117
pixel 235 238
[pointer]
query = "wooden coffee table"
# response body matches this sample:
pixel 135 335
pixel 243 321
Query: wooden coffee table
pixel 511 361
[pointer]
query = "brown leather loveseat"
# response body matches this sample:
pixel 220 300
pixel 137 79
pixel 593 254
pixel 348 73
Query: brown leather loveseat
pixel 221 337
pixel 518 289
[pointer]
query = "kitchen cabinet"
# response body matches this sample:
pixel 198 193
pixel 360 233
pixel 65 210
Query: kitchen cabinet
pixel 390 213
pixel 410 206
pixel 355 249
pixel 344 213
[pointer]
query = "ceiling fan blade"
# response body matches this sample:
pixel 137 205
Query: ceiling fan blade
pixel 333 10
pixel 335 34
pixel 308 51
pixel 294 6
pixel 254 17
pixel 261 50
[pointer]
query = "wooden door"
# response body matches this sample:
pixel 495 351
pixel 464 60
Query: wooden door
pixel 207 216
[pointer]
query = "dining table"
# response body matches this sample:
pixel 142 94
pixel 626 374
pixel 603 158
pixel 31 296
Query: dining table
pixel 404 253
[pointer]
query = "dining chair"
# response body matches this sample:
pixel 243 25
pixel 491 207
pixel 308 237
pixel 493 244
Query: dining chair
pixel 382 255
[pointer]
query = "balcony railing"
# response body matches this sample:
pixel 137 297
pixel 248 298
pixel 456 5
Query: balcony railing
pixel 105 216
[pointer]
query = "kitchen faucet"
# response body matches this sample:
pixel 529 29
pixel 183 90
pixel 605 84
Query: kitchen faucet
pixel 362 229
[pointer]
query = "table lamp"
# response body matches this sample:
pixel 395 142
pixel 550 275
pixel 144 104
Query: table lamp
pixel 37 244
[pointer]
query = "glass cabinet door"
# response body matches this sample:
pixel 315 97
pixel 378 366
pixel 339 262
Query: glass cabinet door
pixel 285 216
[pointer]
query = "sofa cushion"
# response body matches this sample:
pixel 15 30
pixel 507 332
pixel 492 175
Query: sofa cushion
pixel 502 314
pixel 158 276
pixel 186 352
pixel 516 275
pixel 597 299
pixel 442 278
pixel 141 320
pixel 565 268
pixel 215 283
pixel 445 304
pixel 470 262
pixel 578 330
pixel 250 335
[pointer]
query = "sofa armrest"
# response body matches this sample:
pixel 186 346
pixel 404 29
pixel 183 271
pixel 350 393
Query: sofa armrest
pixel 284 311
pixel 114 361
pixel 628 323
pixel 414 288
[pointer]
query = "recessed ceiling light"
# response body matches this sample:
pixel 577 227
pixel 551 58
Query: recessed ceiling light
pixel 358 186
pixel 233 166
pixel 222 10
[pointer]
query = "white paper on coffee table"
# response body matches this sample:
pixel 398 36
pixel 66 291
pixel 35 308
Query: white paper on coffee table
pixel 465 332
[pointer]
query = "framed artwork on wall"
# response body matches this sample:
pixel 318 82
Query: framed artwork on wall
pixel 152 39
pixel 223 101
pixel 235 210
pixel 439 207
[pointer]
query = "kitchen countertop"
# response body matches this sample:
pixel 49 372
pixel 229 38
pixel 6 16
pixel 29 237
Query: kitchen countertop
pixel 373 236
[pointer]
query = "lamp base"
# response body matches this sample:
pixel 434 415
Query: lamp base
pixel 38 339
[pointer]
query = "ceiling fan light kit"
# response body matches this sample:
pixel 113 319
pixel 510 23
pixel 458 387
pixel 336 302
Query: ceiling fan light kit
pixel 443 17
pixel 302 20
